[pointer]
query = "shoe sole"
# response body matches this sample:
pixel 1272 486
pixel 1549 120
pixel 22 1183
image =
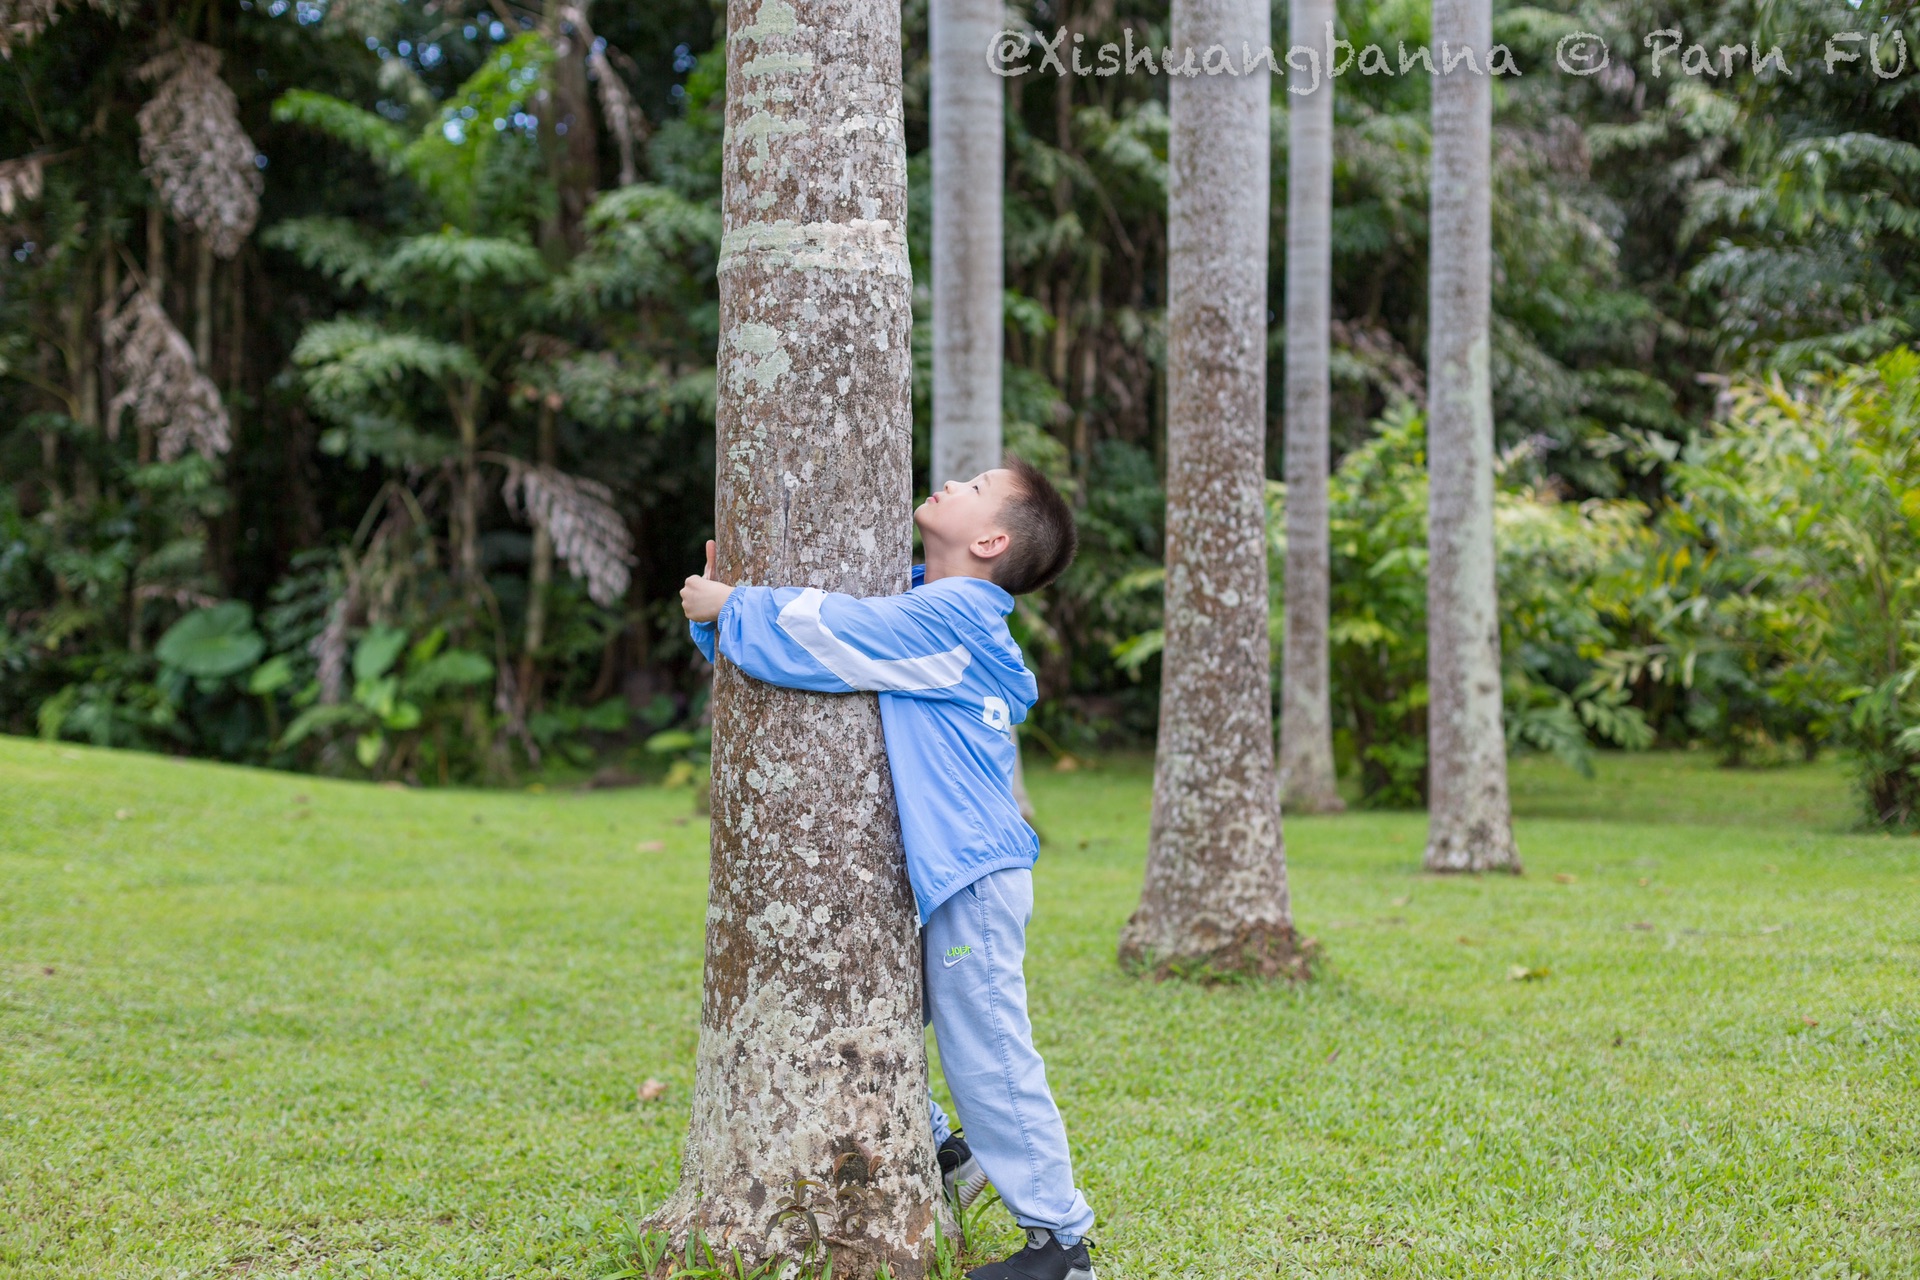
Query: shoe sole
pixel 966 1183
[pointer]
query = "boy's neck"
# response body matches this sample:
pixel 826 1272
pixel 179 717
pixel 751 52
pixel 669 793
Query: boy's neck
pixel 944 563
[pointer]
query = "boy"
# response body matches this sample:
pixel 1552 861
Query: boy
pixel 952 686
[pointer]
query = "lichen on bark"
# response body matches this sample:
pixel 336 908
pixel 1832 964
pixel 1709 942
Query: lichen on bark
pixel 1214 902
pixel 811 1077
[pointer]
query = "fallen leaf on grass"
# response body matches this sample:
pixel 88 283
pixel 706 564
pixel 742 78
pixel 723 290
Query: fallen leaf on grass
pixel 1465 941
pixel 1644 926
pixel 1400 901
pixel 1643 882
pixel 1521 973
pixel 1333 1055
pixel 1770 869
pixel 1562 877
pixel 301 799
pixel 121 815
pixel 651 1089
pixel 1812 1022
pixel 650 846
pixel 1773 928
pixel 1065 764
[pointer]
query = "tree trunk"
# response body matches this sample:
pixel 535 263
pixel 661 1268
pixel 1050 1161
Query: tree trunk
pixel 811 1065
pixel 1306 719
pixel 968 164
pixel 539 579
pixel 203 305
pixel 1470 826
pixel 969 176
pixel 1215 898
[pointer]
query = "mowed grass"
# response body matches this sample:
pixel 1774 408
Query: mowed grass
pixel 254 1025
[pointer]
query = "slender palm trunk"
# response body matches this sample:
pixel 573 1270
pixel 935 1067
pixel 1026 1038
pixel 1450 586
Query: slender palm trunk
pixel 1215 897
pixel 1306 719
pixel 811 1076
pixel 1470 825
pixel 969 163
pixel 539 579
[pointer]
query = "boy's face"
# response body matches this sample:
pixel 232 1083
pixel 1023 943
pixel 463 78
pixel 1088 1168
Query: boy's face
pixel 966 513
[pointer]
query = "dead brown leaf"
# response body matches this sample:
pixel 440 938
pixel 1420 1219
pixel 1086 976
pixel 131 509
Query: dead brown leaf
pixel 650 846
pixel 651 1089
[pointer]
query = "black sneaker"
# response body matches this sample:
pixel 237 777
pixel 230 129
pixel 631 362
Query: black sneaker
pixel 960 1173
pixel 1044 1258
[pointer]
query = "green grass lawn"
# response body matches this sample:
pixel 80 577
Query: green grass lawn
pixel 254 1024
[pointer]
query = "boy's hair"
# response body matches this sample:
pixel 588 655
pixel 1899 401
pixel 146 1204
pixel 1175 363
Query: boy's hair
pixel 1040 534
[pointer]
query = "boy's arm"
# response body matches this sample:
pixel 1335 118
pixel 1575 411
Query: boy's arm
pixel 803 638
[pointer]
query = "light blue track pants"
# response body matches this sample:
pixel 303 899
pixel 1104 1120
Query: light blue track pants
pixel 977 1002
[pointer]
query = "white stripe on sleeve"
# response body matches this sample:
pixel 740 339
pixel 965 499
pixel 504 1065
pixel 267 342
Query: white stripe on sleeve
pixel 801 619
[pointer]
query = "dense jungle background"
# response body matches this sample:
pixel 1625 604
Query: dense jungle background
pixel 356 382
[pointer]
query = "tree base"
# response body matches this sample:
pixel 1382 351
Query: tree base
pixel 1317 802
pixel 1257 952
pixel 1477 851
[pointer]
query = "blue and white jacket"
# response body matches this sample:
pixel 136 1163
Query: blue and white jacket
pixel 952 686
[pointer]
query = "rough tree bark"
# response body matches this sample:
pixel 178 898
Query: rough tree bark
pixel 969 176
pixel 1215 898
pixel 1306 718
pixel 811 1065
pixel 1470 826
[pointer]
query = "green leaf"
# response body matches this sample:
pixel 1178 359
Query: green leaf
pixel 367 748
pixel 670 741
pixel 314 719
pixel 376 652
pixel 271 676
pixel 454 669
pixel 212 643
pixel 355 126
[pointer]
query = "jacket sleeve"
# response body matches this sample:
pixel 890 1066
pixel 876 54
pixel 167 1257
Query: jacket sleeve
pixel 804 638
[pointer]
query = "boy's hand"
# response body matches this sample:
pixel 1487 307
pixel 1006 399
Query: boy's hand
pixel 702 595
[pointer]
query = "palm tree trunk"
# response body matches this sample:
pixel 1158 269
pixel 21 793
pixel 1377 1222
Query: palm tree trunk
pixel 539 579
pixel 1306 719
pixel 1470 823
pixel 969 162
pixel 1215 897
pixel 811 1067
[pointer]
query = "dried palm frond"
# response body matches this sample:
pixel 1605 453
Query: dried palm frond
pixel 200 160
pixel 22 20
pixel 160 381
pixel 578 515
pixel 20 180
pixel 617 105
pixel 624 118
pixel 329 651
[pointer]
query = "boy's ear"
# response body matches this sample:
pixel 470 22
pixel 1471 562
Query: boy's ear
pixel 991 547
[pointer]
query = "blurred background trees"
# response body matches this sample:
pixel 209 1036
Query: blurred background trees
pixel 326 324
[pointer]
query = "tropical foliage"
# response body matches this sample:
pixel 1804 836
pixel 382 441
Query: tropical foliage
pixel 322 323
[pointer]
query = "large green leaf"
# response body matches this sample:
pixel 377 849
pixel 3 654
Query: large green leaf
pixel 376 652
pixel 456 668
pixel 212 643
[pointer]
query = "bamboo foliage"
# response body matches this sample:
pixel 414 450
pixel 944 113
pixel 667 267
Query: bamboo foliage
pixel 578 515
pixel 161 382
pixel 200 160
